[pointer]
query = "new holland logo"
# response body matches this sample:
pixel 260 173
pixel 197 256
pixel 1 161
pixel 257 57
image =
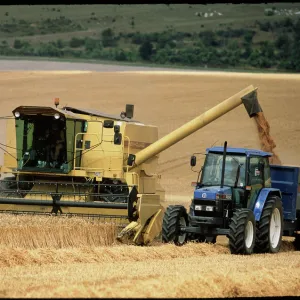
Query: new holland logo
pixel 204 195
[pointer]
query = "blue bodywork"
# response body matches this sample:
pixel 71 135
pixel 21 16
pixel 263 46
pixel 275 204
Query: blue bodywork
pixel 284 184
pixel 261 199
pixel 209 193
pixel 286 179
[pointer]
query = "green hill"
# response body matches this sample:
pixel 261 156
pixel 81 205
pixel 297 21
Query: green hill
pixel 214 35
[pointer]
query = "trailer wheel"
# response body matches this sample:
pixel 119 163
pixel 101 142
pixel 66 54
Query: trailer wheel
pixel 270 227
pixel 297 242
pixel 175 217
pixel 242 232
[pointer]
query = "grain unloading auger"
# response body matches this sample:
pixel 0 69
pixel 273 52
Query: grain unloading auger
pixel 83 162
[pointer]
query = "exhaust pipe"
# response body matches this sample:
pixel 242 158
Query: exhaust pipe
pixel 223 165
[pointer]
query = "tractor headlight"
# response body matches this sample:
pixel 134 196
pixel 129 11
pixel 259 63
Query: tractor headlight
pixel 223 197
pixel 56 116
pixel 209 208
pixel 17 114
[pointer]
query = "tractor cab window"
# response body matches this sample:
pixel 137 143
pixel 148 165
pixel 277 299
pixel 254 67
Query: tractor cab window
pixel 212 171
pixel 255 174
pixel 267 172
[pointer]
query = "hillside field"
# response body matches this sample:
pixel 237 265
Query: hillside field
pixel 182 17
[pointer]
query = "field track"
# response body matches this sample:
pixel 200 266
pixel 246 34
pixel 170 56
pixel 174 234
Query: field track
pixel 34 264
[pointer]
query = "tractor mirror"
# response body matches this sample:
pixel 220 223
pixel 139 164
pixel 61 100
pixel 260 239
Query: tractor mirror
pixel 193 161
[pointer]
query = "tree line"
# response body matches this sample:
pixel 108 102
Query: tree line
pixel 220 48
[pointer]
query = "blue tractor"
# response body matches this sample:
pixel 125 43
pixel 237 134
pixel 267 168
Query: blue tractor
pixel 240 195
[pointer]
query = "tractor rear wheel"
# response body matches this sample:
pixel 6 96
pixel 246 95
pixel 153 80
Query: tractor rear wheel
pixel 242 232
pixel 174 218
pixel 270 227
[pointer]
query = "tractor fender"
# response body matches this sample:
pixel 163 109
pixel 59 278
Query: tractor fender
pixel 261 199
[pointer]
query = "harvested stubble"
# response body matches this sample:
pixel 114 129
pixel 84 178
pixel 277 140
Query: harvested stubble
pixel 122 253
pixel 161 271
pixel 31 232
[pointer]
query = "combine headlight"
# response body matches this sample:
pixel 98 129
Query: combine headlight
pixel 17 114
pixel 57 116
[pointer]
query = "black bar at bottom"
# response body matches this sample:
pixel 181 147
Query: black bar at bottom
pixel 205 230
pixel 64 203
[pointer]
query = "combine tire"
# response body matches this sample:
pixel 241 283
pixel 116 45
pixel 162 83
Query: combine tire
pixel 270 227
pixel 242 232
pixel 175 217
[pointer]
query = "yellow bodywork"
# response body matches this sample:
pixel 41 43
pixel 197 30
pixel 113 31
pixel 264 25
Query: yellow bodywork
pixel 96 157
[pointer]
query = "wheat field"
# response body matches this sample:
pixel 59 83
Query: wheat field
pixel 42 256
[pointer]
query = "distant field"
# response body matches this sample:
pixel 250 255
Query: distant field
pixel 181 17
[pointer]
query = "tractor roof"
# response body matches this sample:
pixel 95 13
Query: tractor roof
pixel 239 151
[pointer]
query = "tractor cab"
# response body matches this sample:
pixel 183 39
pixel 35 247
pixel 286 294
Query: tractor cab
pixel 230 179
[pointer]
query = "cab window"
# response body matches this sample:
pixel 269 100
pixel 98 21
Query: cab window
pixel 255 175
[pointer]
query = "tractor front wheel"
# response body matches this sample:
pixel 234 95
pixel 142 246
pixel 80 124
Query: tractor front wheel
pixel 174 218
pixel 242 232
pixel 270 227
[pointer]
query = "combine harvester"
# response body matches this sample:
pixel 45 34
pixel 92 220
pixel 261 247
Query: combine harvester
pixel 83 162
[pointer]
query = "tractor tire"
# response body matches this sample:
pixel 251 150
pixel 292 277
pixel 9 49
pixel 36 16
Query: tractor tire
pixel 269 229
pixel 175 216
pixel 242 232
pixel 297 242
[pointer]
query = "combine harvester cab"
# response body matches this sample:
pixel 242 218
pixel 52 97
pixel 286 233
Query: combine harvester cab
pixel 84 162
pixel 74 161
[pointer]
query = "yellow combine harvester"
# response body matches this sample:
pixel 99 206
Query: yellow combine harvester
pixel 84 162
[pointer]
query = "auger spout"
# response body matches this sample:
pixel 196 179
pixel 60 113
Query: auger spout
pixel 247 96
